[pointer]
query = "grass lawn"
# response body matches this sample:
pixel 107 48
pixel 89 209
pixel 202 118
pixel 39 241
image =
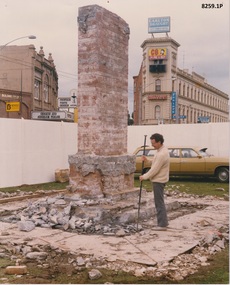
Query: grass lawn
pixel 35 187
pixel 197 186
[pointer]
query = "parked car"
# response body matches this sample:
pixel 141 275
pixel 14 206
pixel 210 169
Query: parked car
pixel 188 161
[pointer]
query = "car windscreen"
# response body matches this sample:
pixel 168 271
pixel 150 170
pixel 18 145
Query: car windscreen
pixel 148 152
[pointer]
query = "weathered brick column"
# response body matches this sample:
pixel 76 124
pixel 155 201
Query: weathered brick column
pixel 102 165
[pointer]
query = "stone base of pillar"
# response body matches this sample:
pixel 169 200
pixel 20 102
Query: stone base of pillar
pixel 93 176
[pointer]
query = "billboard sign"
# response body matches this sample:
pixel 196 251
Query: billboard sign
pixel 158 25
pixel 157 53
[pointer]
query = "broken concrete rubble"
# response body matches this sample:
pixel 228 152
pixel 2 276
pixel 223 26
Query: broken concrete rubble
pixel 70 212
pixel 194 235
pixel 73 226
pixel 47 255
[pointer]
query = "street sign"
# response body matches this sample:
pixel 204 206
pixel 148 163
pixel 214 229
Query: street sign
pixel 180 117
pixel 12 106
pixel 174 103
pixel 67 102
pixel 52 115
pixel 203 119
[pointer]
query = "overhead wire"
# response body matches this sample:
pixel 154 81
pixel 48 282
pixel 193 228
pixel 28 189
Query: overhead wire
pixel 29 65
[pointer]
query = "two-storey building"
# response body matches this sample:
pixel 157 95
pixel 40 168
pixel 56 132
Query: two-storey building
pixel 28 82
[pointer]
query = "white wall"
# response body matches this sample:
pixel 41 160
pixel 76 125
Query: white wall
pixel 31 151
pixel 214 136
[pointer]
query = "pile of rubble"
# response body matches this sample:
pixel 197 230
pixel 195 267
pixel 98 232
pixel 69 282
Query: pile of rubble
pixel 104 216
pixel 71 213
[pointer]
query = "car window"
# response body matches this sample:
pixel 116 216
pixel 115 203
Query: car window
pixel 188 152
pixel 174 152
pixel 152 152
pixel 147 152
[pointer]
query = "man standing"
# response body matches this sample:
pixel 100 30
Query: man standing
pixel 159 175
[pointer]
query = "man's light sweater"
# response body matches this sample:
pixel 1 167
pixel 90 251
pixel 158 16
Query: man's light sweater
pixel 159 171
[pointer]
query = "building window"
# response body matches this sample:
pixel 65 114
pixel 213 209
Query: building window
pixel 183 90
pixel 143 111
pixel 46 89
pixel 37 87
pixel 158 85
pixel 157 112
pixel 174 59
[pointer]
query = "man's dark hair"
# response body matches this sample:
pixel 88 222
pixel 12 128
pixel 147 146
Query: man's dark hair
pixel 157 138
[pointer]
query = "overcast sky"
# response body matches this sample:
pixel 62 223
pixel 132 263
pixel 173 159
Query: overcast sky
pixel 203 34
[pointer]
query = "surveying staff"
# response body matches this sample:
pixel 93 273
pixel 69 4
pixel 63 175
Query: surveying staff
pixel 158 175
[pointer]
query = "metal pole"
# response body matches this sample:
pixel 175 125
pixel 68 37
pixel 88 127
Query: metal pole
pixel 142 170
pixel 31 37
pixel 20 102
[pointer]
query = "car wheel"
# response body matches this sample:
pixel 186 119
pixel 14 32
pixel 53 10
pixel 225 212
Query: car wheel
pixel 222 174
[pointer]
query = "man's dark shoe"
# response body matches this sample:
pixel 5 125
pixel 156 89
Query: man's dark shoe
pixel 160 228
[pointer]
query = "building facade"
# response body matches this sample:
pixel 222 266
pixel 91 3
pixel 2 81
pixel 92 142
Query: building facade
pixel 166 94
pixel 28 82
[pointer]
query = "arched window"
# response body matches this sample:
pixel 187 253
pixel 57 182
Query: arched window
pixel 46 89
pixel 183 90
pixel 37 86
pixel 157 112
pixel 179 88
pixel 192 93
pixel 158 85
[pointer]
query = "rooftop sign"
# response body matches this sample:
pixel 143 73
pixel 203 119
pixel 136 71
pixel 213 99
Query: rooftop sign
pixel 157 53
pixel 158 25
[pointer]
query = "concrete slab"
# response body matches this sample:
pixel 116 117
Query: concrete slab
pixel 146 247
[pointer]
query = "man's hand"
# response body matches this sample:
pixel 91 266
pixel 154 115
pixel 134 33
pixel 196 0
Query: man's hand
pixel 144 158
pixel 141 178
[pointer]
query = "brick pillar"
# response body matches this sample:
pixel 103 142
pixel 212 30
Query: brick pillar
pixel 102 81
pixel 102 165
